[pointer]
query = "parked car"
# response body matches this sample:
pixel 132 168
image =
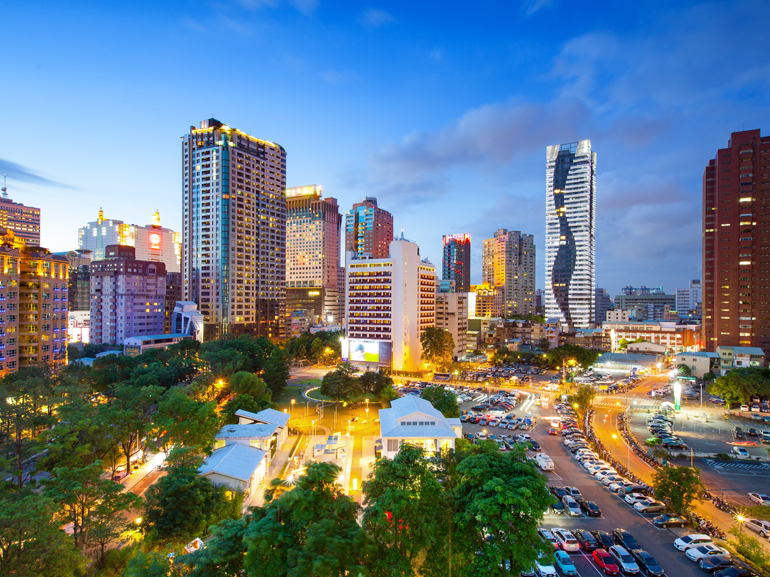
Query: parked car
pixel 647 563
pixel 698 553
pixel 564 563
pixel 548 537
pixel 545 569
pixel 625 539
pixel 604 539
pixel 760 498
pixel 692 540
pixel 606 562
pixel 740 452
pixel 566 539
pixel 715 563
pixel 574 493
pixel 587 541
pixel 735 571
pixel 571 507
pixel 634 498
pixel 649 507
pixel 624 560
pixel 759 525
pixel 669 521
pixel 590 508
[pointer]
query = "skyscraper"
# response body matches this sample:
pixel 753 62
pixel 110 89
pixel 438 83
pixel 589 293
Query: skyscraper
pixel 368 229
pixel 456 262
pixel 736 244
pixel 234 230
pixel 313 254
pixel 508 262
pixel 24 221
pixel 570 222
pixel 602 304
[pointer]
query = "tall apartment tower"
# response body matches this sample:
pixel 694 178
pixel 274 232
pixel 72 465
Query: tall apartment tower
pixel 736 243
pixel 508 262
pixel 687 299
pixel 234 230
pixel 456 262
pixel 389 303
pixel 602 304
pixel 368 229
pixel 24 221
pixel 570 223
pixel 127 296
pixel 313 254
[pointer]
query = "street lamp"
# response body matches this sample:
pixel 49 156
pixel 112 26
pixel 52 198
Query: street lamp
pixel 740 518
pixel 292 407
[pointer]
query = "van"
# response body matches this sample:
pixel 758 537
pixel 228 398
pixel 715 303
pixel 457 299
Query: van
pixel 544 462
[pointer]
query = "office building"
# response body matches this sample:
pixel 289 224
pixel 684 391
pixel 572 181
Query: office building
pixel 642 290
pixel 508 262
pixel 602 304
pixel 78 285
pixel 33 305
pixel 368 230
pixel 24 221
pixel 234 230
pixel 389 302
pixel 456 262
pixel 570 225
pixel 313 254
pixel 655 305
pixel 452 316
pixel 486 300
pixel 152 242
pixel 687 299
pixel 127 296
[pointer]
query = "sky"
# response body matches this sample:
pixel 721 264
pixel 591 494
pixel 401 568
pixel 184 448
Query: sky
pixel 441 110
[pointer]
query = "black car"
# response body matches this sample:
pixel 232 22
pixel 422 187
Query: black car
pixel 587 541
pixel 535 445
pixel 604 539
pixel 735 571
pixel 647 563
pixel 668 521
pixel 590 508
pixel 738 433
pixel 643 489
pixel 557 507
pixel 559 492
pixel 712 563
pixel 671 444
pixel 625 539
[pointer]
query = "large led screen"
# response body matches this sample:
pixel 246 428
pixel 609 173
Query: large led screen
pixel 364 351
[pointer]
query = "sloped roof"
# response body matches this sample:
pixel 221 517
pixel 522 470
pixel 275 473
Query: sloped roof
pixel 268 416
pixel 235 461
pixel 251 431
pixel 412 405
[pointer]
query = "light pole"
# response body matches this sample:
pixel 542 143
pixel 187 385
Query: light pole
pixel 292 407
pixel 367 410
pixel 740 518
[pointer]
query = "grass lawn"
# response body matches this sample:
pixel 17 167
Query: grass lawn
pixel 758 512
pixel 289 393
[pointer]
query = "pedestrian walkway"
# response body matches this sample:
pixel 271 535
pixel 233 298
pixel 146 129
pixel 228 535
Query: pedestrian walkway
pixel 717 464
pixel 280 458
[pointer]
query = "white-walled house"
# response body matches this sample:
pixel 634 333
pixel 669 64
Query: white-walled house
pixel 267 417
pixel 257 435
pixel 414 420
pixel 238 467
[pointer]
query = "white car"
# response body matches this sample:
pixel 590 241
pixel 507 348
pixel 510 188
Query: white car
pixel 698 553
pixel 544 569
pixel 605 472
pixel 548 537
pixel 621 487
pixel 611 479
pixel 566 540
pixel 593 466
pixel 760 498
pixel 634 498
pixel 692 540
pixel 740 452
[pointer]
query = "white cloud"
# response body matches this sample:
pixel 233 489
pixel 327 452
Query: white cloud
pixel 532 6
pixel 375 18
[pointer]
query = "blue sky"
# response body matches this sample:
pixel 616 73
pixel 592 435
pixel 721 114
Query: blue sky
pixel 442 110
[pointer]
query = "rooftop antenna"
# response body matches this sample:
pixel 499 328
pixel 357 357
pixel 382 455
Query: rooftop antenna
pixel 5 186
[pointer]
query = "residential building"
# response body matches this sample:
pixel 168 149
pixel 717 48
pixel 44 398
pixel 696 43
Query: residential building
pixel 187 319
pixel 389 302
pixel 553 328
pixel 508 262
pixel 602 304
pixel 736 255
pixel 368 229
pixel 79 282
pixel 313 254
pixel 587 338
pixel 24 221
pixel 646 348
pixel 456 261
pixel 152 242
pixel 655 305
pixel 412 420
pixel 699 362
pixel 234 230
pixel 486 300
pixel 687 299
pixel 570 236
pixel 739 358
pixel 627 363
pixel 33 305
pixel 267 417
pixel 127 296
pixel 238 467
pixel 632 314
pixel 135 346
pixel 539 305
pixel 79 327
pixel 173 295
pixel 452 316
pixel 675 336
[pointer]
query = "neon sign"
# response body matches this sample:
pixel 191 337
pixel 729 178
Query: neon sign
pixel 458 237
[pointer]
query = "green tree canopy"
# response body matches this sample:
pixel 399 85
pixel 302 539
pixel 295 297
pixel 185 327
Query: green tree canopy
pixel 678 487
pixel 442 400
pixel 341 384
pixel 437 347
pixel 276 371
pixel 740 385
pixel 181 420
pixel 244 383
pixel 241 402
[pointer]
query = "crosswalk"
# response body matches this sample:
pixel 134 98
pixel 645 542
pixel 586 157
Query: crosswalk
pixel 717 464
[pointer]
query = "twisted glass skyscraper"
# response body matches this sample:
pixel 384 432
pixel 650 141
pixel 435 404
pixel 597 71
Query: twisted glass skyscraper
pixel 570 223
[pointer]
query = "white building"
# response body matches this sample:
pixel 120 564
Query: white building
pixel 79 326
pixel 413 420
pixel 238 467
pixel 267 417
pixel 258 435
pixel 152 242
pixel 186 319
pixel 700 362
pixel 389 302
pixel 452 315
pixel 135 346
pixel 570 224
pixel 687 299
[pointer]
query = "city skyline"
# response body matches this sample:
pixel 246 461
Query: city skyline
pixel 472 162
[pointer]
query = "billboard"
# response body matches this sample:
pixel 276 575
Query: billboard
pixel 364 351
pixel 312 190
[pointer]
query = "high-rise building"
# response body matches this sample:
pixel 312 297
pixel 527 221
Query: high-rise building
pixel 313 254
pixel 570 223
pixel 173 295
pixel 486 300
pixel 508 262
pixel 655 306
pixel 687 299
pixel 456 261
pixel 736 243
pixel 24 221
pixel 234 230
pixel 33 305
pixel 602 304
pixel 78 285
pixel 389 303
pixel 452 316
pixel 127 296
pixel 152 242
pixel 368 230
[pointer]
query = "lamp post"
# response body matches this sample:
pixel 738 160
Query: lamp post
pixel 292 407
pixel 740 518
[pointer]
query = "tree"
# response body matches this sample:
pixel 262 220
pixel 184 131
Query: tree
pixel 684 370
pixel 406 513
pixel 545 344
pixel 341 384
pixel 740 385
pixel 244 383
pixel 437 347
pixel 374 382
pixel 502 495
pixel 443 401
pixel 677 487
pixel 276 372
pixel 154 564
pixel 310 530
pixel 622 344
pixel 241 402
pixel 584 396
pixel 181 420
pixel 31 541
pixel 223 554
pixel 317 349
pixel 129 415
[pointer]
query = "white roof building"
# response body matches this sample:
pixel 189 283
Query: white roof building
pixel 238 467
pixel 257 435
pixel 414 420
pixel 267 416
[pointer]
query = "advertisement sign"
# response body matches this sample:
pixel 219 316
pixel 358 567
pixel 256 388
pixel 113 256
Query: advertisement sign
pixel 155 241
pixel 456 237
pixel 312 190
pixel 364 351
pixel 677 396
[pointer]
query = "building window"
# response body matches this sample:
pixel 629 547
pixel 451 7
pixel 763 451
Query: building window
pixel 392 445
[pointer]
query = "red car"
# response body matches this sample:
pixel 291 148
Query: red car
pixel 606 562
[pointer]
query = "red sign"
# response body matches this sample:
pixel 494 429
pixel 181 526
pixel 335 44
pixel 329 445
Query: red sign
pixel 155 241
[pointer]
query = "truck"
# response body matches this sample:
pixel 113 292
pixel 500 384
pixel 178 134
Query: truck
pixel 544 462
